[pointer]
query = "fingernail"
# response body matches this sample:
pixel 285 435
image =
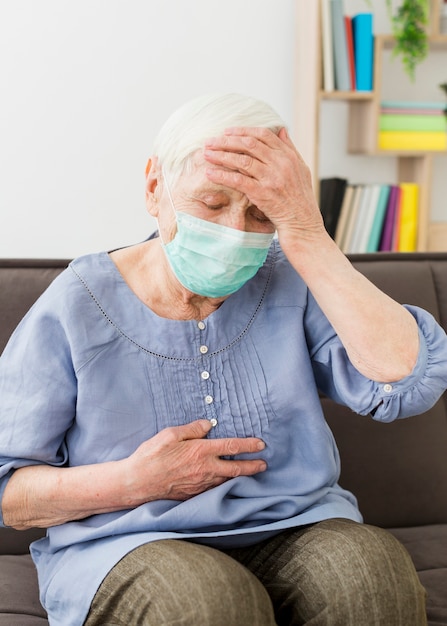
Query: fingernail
pixel 261 445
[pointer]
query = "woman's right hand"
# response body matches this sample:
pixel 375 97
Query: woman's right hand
pixel 179 463
pixel 176 464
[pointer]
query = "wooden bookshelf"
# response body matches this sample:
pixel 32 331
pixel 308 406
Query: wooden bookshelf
pixel 364 111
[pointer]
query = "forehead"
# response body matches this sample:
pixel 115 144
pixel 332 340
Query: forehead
pixel 194 179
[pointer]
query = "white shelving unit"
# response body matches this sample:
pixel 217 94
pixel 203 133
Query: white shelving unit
pixel 364 110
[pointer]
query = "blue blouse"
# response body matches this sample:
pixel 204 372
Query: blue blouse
pixel 91 372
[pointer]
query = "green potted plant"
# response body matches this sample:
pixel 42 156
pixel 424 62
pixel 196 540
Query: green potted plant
pixel 409 26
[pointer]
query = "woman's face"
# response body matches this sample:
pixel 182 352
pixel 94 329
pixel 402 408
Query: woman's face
pixel 193 193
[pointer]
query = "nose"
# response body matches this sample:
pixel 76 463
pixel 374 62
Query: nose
pixel 235 217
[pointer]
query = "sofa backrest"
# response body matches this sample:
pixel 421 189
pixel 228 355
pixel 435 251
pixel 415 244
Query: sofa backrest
pixel 397 471
pixel 21 283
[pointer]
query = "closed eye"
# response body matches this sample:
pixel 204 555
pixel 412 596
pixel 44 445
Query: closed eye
pixel 258 215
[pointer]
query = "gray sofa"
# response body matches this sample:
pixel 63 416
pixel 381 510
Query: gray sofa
pixel 398 471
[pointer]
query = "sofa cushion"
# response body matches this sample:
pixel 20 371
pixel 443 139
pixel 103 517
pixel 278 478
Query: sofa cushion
pixel 13 619
pixel 428 548
pixel 410 278
pixel 397 471
pixel 17 541
pixel 19 596
pixel 22 281
pixel 406 278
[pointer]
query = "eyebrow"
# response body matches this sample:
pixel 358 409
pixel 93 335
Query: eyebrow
pixel 207 191
pixel 212 189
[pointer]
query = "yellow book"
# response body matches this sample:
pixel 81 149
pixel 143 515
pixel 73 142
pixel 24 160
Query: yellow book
pixel 412 140
pixel 408 222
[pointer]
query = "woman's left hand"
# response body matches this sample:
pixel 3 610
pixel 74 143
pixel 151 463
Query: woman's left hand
pixel 268 169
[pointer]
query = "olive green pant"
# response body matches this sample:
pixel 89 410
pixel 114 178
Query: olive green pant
pixel 336 573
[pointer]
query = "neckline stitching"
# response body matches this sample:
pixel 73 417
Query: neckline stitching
pixel 173 358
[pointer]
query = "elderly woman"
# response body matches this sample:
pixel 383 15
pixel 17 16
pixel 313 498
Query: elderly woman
pixel 160 410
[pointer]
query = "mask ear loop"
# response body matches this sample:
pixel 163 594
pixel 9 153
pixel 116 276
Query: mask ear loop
pixel 165 180
pixel 168 190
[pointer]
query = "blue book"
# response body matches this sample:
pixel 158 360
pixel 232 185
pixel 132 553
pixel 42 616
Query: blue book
pixel 340 47
pixel 362 29
pixel 411 104
pixel 379 218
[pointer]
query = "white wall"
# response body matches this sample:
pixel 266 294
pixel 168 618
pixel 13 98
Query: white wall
pixel 85 86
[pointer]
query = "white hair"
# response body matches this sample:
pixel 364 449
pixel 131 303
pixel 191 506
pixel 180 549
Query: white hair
pixel 188 127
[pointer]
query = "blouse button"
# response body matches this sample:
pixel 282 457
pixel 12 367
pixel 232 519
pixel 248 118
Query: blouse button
pixel 387 388
pixel 205 375
pixel 203 349
pixel 213 422
pixel 201 325
pixel 209 399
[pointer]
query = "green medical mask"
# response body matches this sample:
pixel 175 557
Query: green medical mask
pixel 213 260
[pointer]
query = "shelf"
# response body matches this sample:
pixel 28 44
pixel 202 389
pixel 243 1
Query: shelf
pixel 437 40
pixel 364 110
pixel 346 95
pixel 414 154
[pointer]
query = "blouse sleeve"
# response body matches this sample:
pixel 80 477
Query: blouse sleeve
pixel 338 379
pixel 37 393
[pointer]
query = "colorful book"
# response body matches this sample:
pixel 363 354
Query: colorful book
pixel 412 104
pixel 396 225
pixel 412 111
pixel 362 28
pixel 386 239
pixel 413 122
pixel 352 218
pixel 379 218
pixel 361 220
pixel 412 140
pixel 407 239
pixel 351 57
pixel 332 191
pixel 342 223
pixel 368 217
pixel 340 46
pixel 328 53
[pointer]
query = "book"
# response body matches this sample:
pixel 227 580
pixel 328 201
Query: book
pixel 386 239
pixel 396 225
pixel 412 111
pixel 355 244
pixel 412 140
pixel 391 121
pixel 351 57
pixel 328 53
pixel 368 217
pixel 331 198
pixel 362 28
pixel 375 234
pixel 342 223
pixel 379 218
pixel 339 46
pixel 408 223
pixel 352 218
pixel 412 104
